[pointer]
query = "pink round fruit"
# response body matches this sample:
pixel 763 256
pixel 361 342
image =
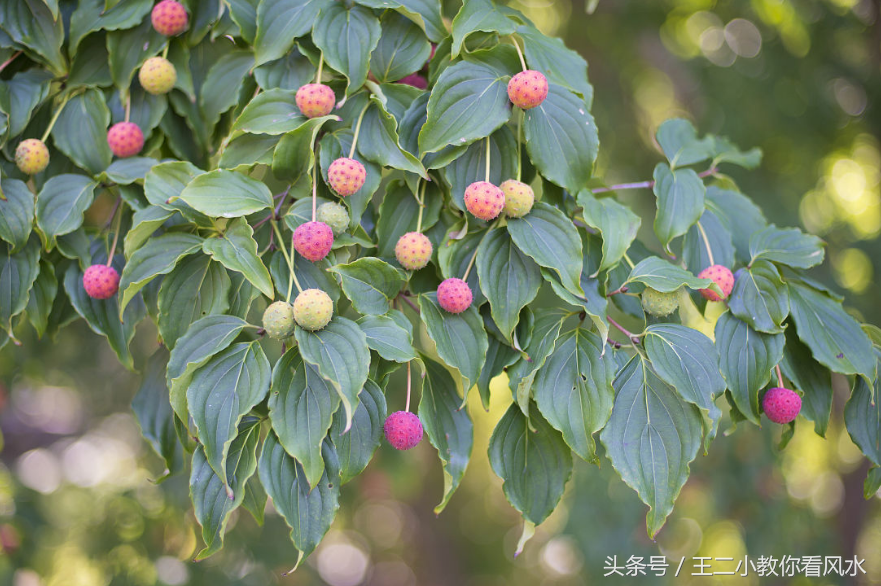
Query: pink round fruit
pixel 722 277
pixel 169 18
pixel 484 200
pixel 528 89
pixel 31 156
pixel 125 139
pixel 413 250
pixel 454 295
pixel 101 282
pixel 781 405
pixel 403 430
pixel 415 80
pixel 313 240
pixel 346 176
pixel 315 100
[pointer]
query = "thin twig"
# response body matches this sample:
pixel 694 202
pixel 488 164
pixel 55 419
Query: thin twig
pixel 407 407
pixel 621 289
pixel 634 338
pixel 115 238
pixel 10 60
pixel 706 243
pixel 779 376
pixel 645 184
pixel 358 129
pixel 519 52
pixel 406 300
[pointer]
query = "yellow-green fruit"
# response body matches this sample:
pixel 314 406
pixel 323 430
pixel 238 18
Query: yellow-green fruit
pixel 659 304
pixel 334 215
pixel 31 156
pixel 157 75
pixel 313 309
pixel 519 198
pixel 278 320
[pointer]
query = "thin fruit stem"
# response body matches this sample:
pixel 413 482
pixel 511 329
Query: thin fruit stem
pixel 10 60
pixel 320 67
pixel 628 261
pixel 314 188
pixel 128 105
pixel 409 383
pixel 519 52
pixel 634 338
pixel 165 50
pixel 421 200
pixel 474 256
pixel 118 211
pixel 487 159
pixel 358 130
pixel 706 243
pixel 519 145
pixel 54 119
pixel 287 258
pixel 779 376
pixel 645 184
pixel 620 290
pixel 406 300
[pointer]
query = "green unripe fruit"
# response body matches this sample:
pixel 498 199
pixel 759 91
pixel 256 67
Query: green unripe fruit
pixel 334 215
pixel 157 75
pixel 278 320
pixel 313 309
pixel 659 304
pixel 519 198
pixel 31 156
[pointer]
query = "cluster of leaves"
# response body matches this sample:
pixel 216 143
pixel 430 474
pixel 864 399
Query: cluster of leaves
pixel 229 155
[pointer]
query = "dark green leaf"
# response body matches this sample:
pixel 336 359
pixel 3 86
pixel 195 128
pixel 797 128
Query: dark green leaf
pixel 551 239
pixel 223 82
pixel 93 15
pixel 479 15
pixel 81 131
pixel 370 284
pixel 680 196
pixel 356 446
pixel 560 64
pixel 226 194
pixel 862 416
pixel 144 223
pixel 471 165
pixel 760 298
pixel 20 96
pixel 544 338
pixel 379 141
pixel 42 297
pixel 616 222
pixel 740 216
pixel 271 112
pixel 403 48
pixel 16 212
pixel 197 287
pixel 158 257
pixel 388 338
pixel 236 249
pixel 811 378
pixel 154 414
pixel 678 140
pixel 18 272
pixel 347 37
pixel 129 49
pixel 708 231
pixel 31 23
pixel 661 275
pixel 788 246
pixel 61 204
pixel 280 22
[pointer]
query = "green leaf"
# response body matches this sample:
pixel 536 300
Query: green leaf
pixel 398 214
pixel 760 298
pixel 81 131
pixel 18 272
pixel 301 408
pixel 280 22
pixel 248 149
pixel 560 64
pixel 203 339
pixel 308 512
pixel 93 15
pixel 20 96
pixel 788 246
pixel 403 48
pixel 370 284
pixel 811 378
pixel 128 171
pixel 293 156
pixel 271 112
pixel 379 141
pixel 746 358
pixel 221 392
pixel 244 14
pixel 862 416
pixel 223 82
pixel 90 66
pixel 663 276
pixel 651 438
pixel 197 287
pixel 30 23
pixel 724 151
pixel 617 224
pixel 447 425
pixel 718 238
pixel 16 212
pixel 226 194
pixel 129 49
pixel 154 414
pixel 471 165
pixel 42 297
pixel 287 73
pixel 573 389
pixel 164 183
pixel 341 354
pixel 468 102
pixel 740 216
pixel 347 37
pixel 872 483
pixel 158 257
pixel 544 338
pixel 680 196
pixel 212 506
pixel 144 223
pixel 61 204
pixel 425 13
pixel 388 338
pixel 499 356
pixel 509 279
pixel 552 240
pixel 356 446
pixel 310 275
pixel 678 140
pixel 454 255
pixel 236 249
pixel 532 460
pixel 562 139
pixel 460 338
pixel 479 15
pixel 834 337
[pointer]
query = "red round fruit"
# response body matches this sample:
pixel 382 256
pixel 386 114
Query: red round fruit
pixel 528 89
pixel 315 100
pixel 101 282
pixel 346 176
pixel 722 277
pixel 454 295
pixel 313 240
pixel 125 139
pixel 781 405
pixel 484 200
pixel 169 18
pixel 403 430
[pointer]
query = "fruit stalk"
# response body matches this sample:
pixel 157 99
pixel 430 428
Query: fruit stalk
pixel 358 130
pixel 118 211
pixel 487 160
pixel 292 278
pixel 779 376
pixel 54 118
pixel 706 243
pixel 421 200
pixel 519 52
pixel 407 406
pixel 320 67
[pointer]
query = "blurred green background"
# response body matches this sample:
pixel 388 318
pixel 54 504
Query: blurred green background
pixel 799 78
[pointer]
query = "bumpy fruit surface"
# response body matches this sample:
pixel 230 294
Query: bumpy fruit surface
pixel 454 295
pixel 157 75
pixel 528 89
pixel 403 430
pixel 334 215
pixel 413 250
pixel 313 240
pixel 125 139
pixel 781 405
pixel 722 277
pixel 415 80
pixel 659 304
pixel 519 198
pixel 278 320
pixel 346 176
pixel 313 309
pixel 169 18
pixel 101 282
pixel 315 99
pixel 31 156
pixel 484 200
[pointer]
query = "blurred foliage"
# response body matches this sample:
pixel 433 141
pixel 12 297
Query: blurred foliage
pixel 800 79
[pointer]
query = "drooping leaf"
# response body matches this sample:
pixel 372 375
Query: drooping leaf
pixel 616 222
pixel 544 338
pixel 158 257
pixel 226 194
pixel 61 204
pixel 272 112
pixel 81 131
pixel 788 246
pixel 551 239
pixel 388 338
pixel 155 417
pixel 280 22
pixel 355 447
pixel 479 15
pixel 560 64
pixel 380 144
pixel 17 212
pixel 347 37
pixel 809 377
pixel 760 298
pixel 862 416
pixel 18 271
pixel 680 194
pixel 236 249
pixel 681 146
pixel 41 299
pixel 197 287
pixel 470 166
pixel 403 48
pixel 370 284
pixel 657 273
pixel 710 232
pixel 740 216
